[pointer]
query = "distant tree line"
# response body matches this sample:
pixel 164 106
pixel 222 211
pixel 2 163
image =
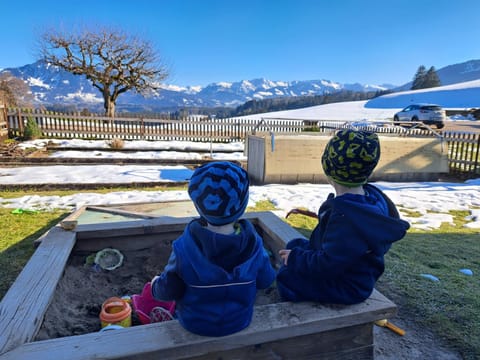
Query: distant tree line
pixel 290 103
pixel 424 79
pixel 248 108
pixel 280 103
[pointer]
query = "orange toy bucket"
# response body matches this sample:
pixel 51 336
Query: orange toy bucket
pixel 116 311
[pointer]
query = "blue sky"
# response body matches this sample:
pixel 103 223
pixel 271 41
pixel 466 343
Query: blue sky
pixel 205 41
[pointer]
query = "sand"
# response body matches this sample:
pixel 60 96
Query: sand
pixel 78 299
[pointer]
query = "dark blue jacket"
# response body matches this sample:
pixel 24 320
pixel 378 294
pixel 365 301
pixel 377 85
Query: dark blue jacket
pixel 214 278
pixel 345 255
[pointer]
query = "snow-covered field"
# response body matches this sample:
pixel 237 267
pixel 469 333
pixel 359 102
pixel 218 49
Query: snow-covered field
pixel 433 200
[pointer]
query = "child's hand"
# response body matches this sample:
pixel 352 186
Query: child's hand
pixel 284 255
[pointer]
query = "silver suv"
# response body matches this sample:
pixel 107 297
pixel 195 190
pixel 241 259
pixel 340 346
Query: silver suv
pixel 429 114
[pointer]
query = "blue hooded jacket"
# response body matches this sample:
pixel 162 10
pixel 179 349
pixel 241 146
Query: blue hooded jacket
pixel 345 255
pixel 214 278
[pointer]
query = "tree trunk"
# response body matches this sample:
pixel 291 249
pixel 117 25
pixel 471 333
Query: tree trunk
pixel 109 107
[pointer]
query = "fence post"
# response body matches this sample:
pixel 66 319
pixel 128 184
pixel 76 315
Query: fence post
pixel 5 118
pixel 20 122
pixel 476 165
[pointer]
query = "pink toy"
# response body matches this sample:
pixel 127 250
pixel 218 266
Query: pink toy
pixel 150 310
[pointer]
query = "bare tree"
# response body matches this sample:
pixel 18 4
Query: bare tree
pixel 14 91
pixel 113 61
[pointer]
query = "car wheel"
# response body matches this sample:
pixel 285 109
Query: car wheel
pixel 440 126
pixel 395 120
pixel 414 118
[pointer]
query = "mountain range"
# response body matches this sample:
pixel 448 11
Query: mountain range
pixel 54 86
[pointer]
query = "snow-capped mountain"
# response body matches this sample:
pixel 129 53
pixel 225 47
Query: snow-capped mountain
pixel 52 85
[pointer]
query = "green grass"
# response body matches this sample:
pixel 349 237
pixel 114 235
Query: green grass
pixel 450 307
pixel 16 243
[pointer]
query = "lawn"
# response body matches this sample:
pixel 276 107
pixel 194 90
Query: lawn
pixel 16 243
pixel 450 306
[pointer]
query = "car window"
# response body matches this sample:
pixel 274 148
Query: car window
pixel 431 108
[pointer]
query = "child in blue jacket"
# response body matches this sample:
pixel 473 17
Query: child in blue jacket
pixel 219 262
pixel 344 256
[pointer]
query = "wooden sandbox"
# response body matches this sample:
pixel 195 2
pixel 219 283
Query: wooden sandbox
pixel 278 330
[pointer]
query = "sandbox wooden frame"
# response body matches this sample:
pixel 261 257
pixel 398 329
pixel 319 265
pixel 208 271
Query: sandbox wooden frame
pixel 281 330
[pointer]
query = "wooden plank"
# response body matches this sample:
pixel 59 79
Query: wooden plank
pixel 278 232
pixel 93 160
pixel 130 150
pixel 131 228
pixel 71 221
pixel 93 237
pixel 126 205
pixel 125 213
pixel 23 307
pixel 255 149
pixel 37 241
pixel 65 224
pixel 176 208
pixel 76 213
pixel 168 340
pixel 354 342
pixel 477 155
pixel 125 243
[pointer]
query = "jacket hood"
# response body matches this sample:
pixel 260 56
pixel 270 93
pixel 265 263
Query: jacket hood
pixel 373 216
pixel 216 256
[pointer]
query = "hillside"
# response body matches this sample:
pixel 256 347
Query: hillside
pixel 56 88
pixel 459 96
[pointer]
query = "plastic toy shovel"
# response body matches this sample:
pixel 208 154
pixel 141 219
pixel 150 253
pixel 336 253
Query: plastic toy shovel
pixel 389 325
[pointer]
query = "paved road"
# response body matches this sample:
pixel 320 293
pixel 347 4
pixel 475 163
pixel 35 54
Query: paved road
pixel 469 126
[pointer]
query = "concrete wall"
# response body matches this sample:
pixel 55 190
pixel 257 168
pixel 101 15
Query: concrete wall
pixel 290 159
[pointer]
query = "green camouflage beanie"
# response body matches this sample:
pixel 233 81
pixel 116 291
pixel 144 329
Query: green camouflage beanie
pixel 350 157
